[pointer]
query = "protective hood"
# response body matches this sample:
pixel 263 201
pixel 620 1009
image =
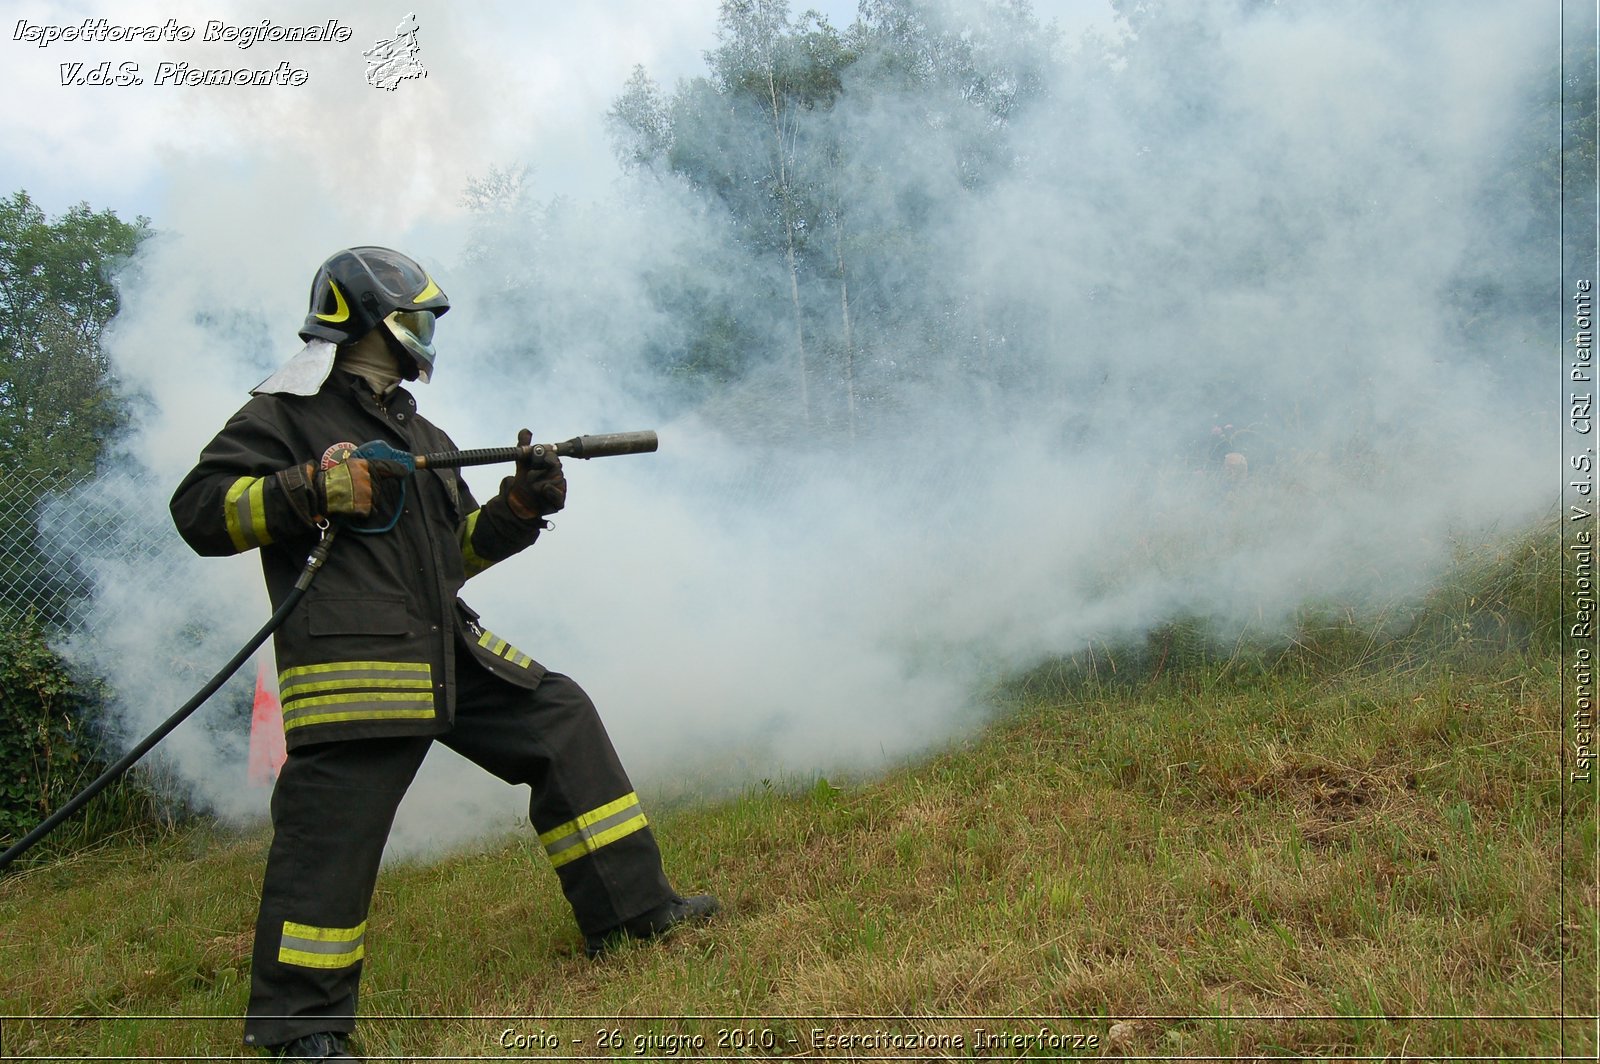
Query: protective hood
pixel 303 374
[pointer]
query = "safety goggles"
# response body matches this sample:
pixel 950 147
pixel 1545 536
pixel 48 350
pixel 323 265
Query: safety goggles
pixel 414 330
pixel 419 323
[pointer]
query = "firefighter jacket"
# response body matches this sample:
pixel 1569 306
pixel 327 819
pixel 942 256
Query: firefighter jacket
pixel 371 650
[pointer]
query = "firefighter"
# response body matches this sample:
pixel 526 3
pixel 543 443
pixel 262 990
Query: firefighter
pixel 382 658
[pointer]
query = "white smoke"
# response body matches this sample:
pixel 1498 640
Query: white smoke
pixel 1274 252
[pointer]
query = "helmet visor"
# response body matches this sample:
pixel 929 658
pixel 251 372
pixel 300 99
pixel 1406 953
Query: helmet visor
pixel 396 276
pixel 414 330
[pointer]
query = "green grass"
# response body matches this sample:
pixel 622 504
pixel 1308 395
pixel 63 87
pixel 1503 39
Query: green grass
pixel 1348 845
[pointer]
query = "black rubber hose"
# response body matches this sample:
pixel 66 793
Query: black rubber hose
pixel 110 775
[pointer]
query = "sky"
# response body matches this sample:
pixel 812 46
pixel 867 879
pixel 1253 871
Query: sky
pixel 523 83
pixel 766 614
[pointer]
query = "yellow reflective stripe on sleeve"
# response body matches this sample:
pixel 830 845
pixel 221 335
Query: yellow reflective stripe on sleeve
pixel 471 560
pixel 245 509
pixel 321 947
pixel 499 647
pixel 594 829
pixel 344 691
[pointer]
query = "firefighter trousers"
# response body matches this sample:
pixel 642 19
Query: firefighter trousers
pixel 334 804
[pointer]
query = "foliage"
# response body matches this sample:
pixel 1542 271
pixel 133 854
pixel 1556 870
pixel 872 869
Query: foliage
pixel 39 740
pixel 46 744
pixel 785 136
pixel 57 400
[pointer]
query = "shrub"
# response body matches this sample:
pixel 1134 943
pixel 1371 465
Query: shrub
pixel 47 742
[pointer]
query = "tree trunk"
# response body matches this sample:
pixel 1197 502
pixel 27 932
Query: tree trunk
pixel 844 317
pixel 786 203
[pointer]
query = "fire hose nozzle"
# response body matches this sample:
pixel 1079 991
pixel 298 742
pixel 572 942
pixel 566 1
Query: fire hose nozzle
pixel 601 445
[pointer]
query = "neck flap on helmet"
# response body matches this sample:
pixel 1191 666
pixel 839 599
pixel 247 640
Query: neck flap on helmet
pixel 303 374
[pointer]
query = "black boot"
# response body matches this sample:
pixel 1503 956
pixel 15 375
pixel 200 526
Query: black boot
pixel 655 923
pixel 324 1045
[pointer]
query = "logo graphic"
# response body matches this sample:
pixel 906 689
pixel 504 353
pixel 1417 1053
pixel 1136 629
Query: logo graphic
pixel 389 62
pixel 339 452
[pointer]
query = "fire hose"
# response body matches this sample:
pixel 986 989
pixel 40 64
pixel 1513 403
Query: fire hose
pixel 596 446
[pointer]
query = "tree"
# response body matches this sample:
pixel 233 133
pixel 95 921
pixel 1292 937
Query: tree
pixel 783 71
pixel 58 404
pixel 839 158
pixel 741 136
pixel 640 124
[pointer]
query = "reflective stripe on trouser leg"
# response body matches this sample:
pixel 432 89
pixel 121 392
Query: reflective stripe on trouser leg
pixel 321 947
pixel 331 813
pixel 551 738
pixel 614 882
pixel 594 829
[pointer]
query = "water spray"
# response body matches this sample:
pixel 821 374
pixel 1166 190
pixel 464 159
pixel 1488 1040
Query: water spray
pixel 597 446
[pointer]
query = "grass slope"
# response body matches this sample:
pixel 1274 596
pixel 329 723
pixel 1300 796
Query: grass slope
pixel 1348 847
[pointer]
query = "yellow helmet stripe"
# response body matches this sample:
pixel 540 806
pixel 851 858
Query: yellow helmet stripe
pixel 341 310
pixel 427 293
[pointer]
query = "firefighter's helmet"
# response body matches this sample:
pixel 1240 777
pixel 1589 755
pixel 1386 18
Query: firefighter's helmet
pixel 358 289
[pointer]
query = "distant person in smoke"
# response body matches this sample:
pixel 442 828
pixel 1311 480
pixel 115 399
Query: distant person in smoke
pixel 381 658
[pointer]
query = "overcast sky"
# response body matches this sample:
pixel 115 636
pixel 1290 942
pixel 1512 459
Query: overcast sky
pixel 507 83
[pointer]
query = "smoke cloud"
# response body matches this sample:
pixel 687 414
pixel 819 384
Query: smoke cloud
pixel 1290 232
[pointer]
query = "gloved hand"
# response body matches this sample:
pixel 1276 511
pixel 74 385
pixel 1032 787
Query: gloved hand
pixel 539 488
pixel 344 489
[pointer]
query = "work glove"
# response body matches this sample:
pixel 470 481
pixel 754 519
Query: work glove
pixel 344 489
pixel 539 488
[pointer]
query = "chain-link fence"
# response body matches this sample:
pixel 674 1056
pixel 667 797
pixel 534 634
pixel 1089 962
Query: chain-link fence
pixel 55 530
pixel 84 561
pixel 37 580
